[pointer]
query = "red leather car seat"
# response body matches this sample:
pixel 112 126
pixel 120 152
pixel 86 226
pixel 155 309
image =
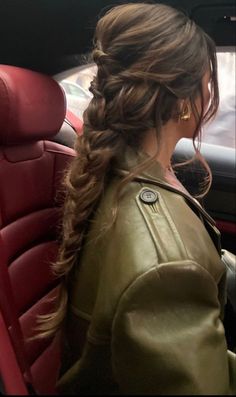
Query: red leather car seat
pixel 32 110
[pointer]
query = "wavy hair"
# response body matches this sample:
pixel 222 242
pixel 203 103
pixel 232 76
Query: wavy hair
pixel 148 57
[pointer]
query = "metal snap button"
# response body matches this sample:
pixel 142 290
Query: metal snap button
pixel 148 196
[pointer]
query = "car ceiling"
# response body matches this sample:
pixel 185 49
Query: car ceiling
pixel 51 35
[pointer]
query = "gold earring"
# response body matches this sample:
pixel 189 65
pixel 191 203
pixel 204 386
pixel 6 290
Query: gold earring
pixel 186 114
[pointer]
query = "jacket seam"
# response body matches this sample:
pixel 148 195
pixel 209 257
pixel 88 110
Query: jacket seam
pixel 96 340
pixel 104 340
pixel 99 340
pixel 174 228
pixel 172 225
pixel 157 267
pixel 80 313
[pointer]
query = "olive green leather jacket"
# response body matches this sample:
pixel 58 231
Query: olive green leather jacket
pixel 147 298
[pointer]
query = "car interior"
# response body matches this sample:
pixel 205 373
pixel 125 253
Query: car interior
pixel 40 39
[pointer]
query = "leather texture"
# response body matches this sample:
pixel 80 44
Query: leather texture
pixel 31 172
pixel 13 380
pixel 33 106
pixel 152 289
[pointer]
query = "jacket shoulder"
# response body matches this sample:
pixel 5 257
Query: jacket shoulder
pixel 178 231
pixel 153 226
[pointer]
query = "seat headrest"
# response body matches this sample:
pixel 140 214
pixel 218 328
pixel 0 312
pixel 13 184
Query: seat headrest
pixel 32 106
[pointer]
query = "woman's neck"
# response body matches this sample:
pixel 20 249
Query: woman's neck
pixel 163 150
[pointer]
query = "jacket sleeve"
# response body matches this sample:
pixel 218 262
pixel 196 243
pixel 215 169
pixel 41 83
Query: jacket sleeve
pixel 167 336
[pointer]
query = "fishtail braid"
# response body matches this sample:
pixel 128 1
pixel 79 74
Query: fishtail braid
pixel 84 182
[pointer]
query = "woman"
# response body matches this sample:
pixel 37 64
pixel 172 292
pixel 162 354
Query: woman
pixel 143 291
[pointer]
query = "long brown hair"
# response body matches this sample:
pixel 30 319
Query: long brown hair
pixel 148 56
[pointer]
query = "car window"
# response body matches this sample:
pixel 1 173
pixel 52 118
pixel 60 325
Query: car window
pixel 65 87
pixel 221 130
pixel 74 90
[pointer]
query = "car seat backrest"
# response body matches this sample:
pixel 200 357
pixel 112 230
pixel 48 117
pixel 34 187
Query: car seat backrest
pixel 32 110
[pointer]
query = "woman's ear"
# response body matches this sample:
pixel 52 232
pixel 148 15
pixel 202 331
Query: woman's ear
pixel 184 110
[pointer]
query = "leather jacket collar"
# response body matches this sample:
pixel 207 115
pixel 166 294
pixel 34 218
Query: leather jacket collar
pixel 154 175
